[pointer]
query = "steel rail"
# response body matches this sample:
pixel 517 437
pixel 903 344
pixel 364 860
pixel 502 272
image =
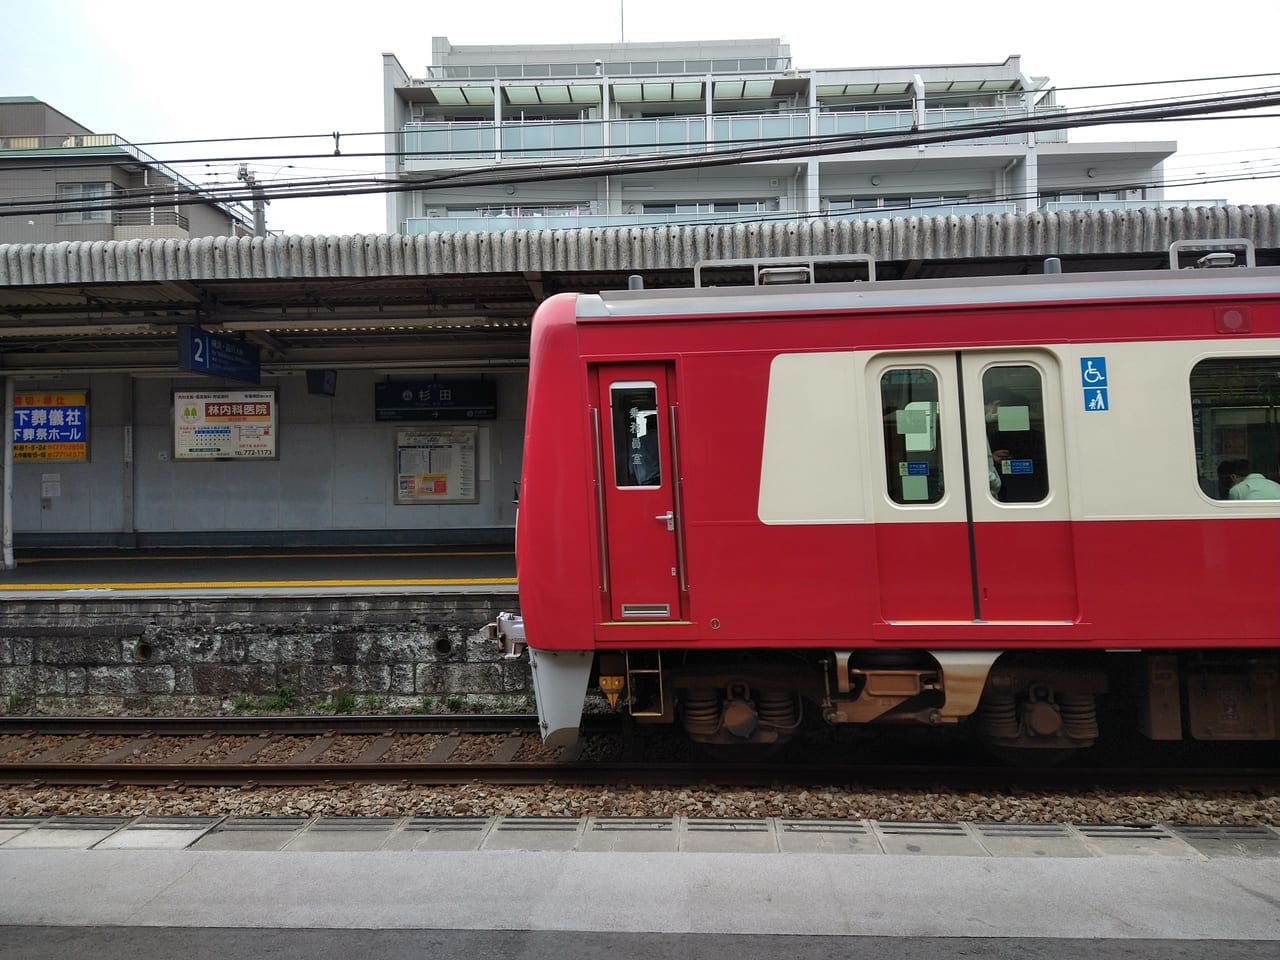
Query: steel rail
pixel 1258 781
pixel 317 724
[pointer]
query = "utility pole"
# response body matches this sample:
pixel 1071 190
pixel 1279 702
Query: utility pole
pixel 259 201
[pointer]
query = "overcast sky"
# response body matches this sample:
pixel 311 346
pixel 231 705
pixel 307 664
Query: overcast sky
pixel 180 70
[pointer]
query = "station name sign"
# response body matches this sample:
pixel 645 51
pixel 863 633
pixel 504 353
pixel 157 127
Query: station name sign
pixel 435 400
pixel 203 352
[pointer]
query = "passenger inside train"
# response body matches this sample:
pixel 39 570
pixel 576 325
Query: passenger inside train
pixel 1235 419
pixel 1243 483
pixel 1015 435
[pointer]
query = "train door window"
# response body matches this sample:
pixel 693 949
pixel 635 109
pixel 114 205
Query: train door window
pixel 912 435
pixel 634 412
pixel 1017 467
pixel 1235 414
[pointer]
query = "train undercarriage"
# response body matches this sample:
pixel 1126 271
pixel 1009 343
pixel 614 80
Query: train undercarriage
pixel 1019 702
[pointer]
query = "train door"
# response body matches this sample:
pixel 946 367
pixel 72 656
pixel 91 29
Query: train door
pixel 1021 516
pixel 973 519
pixel 638 491
pixel 921 532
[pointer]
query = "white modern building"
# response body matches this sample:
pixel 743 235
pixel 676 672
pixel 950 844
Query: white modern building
pixel 705 131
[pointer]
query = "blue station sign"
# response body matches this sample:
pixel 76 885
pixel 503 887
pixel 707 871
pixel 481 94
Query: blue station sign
pixel 203 352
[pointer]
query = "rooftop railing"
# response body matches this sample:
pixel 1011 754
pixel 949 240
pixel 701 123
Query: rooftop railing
pixel 639 68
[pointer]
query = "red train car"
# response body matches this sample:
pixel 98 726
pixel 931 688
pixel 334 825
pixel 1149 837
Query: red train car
pixel 1000 503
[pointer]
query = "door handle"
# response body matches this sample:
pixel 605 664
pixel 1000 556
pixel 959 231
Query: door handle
pixel 670 519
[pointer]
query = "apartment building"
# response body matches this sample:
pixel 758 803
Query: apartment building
pixel 60 181
pixel 700 132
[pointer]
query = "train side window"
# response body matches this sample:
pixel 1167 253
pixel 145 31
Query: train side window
pixel 634 412
pixel 1013 400
pixel 912 436
pixel 1235 416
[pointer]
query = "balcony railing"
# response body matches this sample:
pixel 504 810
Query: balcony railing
pixel 469 140
pixel 498 223
pixel 150 218
pixel 1056 206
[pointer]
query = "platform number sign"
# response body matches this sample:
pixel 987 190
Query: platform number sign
pixel 1093 382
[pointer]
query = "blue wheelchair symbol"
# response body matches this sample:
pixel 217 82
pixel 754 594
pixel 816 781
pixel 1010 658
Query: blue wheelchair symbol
pixel 1093 371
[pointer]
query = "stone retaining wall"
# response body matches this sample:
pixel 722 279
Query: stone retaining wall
pixel 361 654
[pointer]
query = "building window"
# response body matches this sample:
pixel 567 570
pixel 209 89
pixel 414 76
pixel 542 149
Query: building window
pixel 1101 196
pixel 79 195
pixel 846 204
pixel 1235 415
pixel 544 210
pixel 719 206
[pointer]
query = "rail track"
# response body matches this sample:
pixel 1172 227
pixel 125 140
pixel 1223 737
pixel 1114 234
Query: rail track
pixel 503 750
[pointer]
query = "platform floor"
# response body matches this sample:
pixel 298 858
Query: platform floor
pixel 602 878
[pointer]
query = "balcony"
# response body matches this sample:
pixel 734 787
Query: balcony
pixel 415 226
pixel 1058 206
pixel 467 140
pixel 151 224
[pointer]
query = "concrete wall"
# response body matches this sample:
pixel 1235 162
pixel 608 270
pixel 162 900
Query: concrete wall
pixel 334 476
pixel 177 657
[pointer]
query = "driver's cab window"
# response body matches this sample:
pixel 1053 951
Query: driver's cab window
pixel 633 409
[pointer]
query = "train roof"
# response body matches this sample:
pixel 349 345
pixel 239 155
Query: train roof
pixel 709 301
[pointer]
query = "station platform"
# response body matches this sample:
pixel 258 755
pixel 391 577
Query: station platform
pixel 608 877
pixel 258 571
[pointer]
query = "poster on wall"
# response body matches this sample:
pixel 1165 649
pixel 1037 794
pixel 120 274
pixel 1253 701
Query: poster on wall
pixel 51 425
pixel 224 425
pixel 436 465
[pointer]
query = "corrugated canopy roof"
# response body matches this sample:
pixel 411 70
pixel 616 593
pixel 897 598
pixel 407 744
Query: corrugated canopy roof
pixel 393 301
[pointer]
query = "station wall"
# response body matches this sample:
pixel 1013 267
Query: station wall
pixel 333 479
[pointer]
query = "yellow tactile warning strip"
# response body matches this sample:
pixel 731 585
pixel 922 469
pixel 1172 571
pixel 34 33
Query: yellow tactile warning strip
pixel 251 584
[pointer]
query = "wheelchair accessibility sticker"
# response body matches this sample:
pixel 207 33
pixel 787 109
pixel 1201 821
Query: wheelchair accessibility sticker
pixel 1093 380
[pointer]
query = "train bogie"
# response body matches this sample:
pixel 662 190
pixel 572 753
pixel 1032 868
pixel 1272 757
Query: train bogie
pixel 1001 505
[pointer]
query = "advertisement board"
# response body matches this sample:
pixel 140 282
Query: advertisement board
pixel 51 425
pixel 224 425
pixel 436 465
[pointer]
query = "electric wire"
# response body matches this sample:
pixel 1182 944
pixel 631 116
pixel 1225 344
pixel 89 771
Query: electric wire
pixel 755 151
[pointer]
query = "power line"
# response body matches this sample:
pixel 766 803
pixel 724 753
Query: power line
pixel 772 151
pixel 486 125
pixel 937 98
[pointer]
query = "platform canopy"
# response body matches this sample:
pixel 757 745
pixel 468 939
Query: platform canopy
pixel 382 301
